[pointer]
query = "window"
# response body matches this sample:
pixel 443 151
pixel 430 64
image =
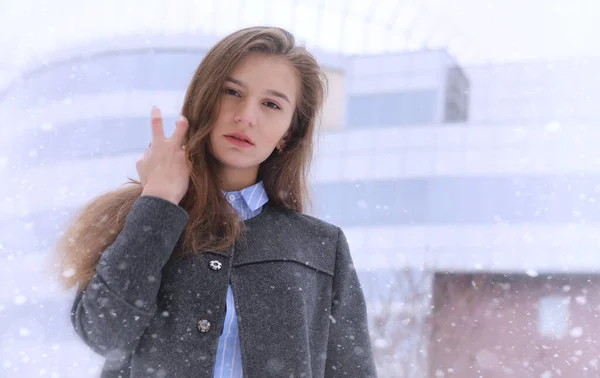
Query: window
pixel 553 316
pixel 371 202
pixel 143 70
pixel 460 200
pixel 85 138
pixel 393 109
pixel 362 111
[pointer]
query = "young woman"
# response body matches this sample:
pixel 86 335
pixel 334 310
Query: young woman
pixel 207 266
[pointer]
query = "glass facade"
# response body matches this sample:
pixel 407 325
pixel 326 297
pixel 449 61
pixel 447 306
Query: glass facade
pixel 85 139
pixel 143 70
pixel 554 315
pixel 416 88
pixel 427 201
pixel 392 109
pixel 460 200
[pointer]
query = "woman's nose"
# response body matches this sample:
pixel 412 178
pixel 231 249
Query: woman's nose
pixel 246 114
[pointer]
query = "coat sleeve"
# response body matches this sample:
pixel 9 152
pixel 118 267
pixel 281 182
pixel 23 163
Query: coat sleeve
pixel 111 313
pixel 349 351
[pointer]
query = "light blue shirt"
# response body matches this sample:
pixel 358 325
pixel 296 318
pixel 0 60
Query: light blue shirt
pixel 247 203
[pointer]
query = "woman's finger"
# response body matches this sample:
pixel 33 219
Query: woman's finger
pixel 157 124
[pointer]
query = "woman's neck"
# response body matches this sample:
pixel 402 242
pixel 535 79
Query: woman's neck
pixel 232 179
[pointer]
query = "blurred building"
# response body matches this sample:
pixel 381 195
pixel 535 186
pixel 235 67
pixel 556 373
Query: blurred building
pixel 430 168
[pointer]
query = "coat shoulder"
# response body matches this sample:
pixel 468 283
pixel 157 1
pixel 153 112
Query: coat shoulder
pixel 308 225
pixel 295 236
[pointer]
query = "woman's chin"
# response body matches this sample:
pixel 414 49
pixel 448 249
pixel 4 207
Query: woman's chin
pixel 237 164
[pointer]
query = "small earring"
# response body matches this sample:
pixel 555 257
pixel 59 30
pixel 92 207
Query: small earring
pixel 281 149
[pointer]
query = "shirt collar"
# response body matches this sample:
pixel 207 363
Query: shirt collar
pixel 254 196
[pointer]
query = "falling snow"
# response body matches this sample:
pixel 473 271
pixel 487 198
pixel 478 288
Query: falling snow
pixel 476 243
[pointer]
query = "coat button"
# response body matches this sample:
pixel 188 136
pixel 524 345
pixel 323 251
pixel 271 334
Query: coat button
pixel 215 265
pixel 204 326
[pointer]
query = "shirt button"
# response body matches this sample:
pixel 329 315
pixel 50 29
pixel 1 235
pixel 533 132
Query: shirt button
pixel 215 265
pixel 231 197
pixel 204 326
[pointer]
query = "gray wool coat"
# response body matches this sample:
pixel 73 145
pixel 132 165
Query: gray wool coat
pixel 301 310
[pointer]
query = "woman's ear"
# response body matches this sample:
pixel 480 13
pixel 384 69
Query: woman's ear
pixel 283 141
pixel 281 145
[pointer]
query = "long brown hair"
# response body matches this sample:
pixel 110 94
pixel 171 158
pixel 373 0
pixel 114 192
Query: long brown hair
pixel 210 227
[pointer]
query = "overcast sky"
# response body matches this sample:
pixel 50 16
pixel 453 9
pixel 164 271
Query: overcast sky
pixel 475 31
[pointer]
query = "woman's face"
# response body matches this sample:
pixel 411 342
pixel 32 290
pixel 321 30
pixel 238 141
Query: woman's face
pixel 256 108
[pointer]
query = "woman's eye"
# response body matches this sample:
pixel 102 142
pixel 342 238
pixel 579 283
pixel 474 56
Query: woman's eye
pixel 272 105
pixel 232 92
